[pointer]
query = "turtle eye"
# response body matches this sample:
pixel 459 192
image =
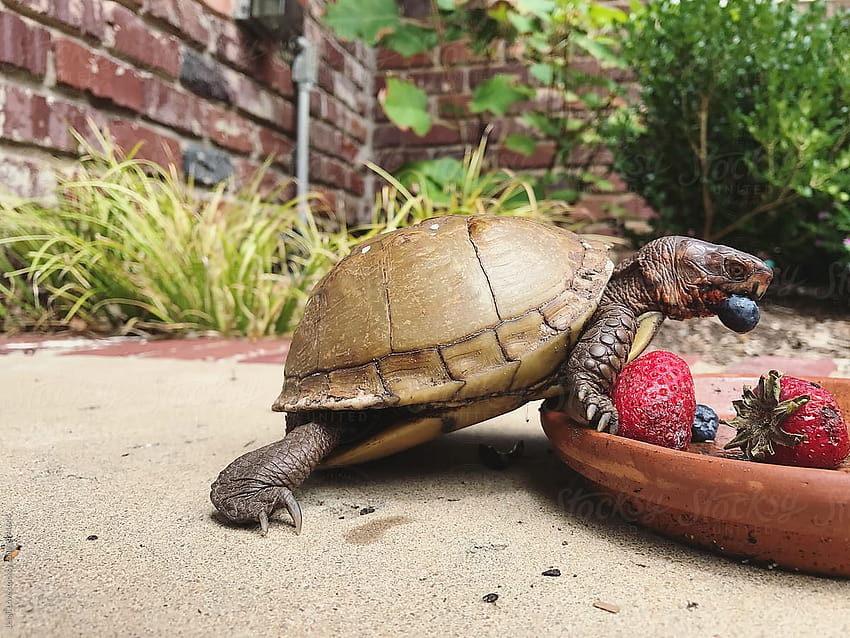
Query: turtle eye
pixel 735 269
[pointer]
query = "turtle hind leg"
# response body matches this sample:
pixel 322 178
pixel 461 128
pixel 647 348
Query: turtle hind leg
pixel 262 481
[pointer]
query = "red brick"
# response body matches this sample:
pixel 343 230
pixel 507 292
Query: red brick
pixel 133 38
pixel 323 137
pixel 357 73
pixel 277 146
pixel 326 79
pixel 386 135
pixel 229 130
pixel 23 45
pixel 326 200
pixel 636 206
pixel 83 16
pixel 262 104
pixel 276 74
pixel 178 109
pixel 392 159
pixel 437 82
pixel 79 67
pixel 158 148
pixel 28 117
pixel 317 104
pixel 583 155
pixel 592 208
pixel 332 55
pixel 185 15
pixel 356 128
pixel 232 44
pixel 387 60
pixel 347 148
pixel 454 106
pixel 271 180
pixel 454 53
pixel 354 183
pixel 542 157
pixel 477 76
pixel 548 101
pixel 332 172
pixel 438 135
pixel 314 165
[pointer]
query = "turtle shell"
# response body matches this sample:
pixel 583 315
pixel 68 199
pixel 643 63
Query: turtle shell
pixel 443 315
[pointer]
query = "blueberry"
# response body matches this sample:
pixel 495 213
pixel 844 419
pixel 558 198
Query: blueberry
pixel 705 424
pixel 737 313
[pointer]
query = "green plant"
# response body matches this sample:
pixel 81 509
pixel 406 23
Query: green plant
pixel 742 132
pixel 545 38
pixel 131 248
pixel 449 186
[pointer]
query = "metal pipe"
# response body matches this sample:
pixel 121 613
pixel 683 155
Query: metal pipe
pixel 304 73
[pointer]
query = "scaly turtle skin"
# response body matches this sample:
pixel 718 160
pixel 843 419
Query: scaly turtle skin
pixel 458 319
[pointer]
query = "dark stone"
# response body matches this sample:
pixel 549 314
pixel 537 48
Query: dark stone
pixel 201 76
pixel 206 165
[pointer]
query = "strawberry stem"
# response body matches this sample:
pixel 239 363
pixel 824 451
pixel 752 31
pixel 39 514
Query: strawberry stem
pixel 760 415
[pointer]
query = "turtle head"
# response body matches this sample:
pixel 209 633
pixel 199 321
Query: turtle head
pixel 694 278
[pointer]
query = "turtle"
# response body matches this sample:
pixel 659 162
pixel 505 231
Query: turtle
pixel 440 325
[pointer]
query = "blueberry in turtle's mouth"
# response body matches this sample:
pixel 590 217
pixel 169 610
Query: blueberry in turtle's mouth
pixel 738 313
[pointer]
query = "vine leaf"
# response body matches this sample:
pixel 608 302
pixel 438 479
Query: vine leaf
pixel 406 105
pixel 524 144
pixel 497 95
pixel 366 19
pixel 409 39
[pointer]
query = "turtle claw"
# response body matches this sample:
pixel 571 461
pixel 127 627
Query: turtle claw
pixel 591 412
pixel 291 506
pixel 602 425
pixel 294 510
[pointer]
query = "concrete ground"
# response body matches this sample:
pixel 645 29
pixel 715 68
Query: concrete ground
pixel 105 478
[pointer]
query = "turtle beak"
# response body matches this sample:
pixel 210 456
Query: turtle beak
pixel 761 280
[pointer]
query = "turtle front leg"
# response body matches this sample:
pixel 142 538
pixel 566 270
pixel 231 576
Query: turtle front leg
pixel 594 364
pixel 260 482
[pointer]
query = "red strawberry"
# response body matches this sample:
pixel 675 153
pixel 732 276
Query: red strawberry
pixel 790 421
pixel 654 395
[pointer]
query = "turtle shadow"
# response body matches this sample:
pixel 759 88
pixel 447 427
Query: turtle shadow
pixel 452 465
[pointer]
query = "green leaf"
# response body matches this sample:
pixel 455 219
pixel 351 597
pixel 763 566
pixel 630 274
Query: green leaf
pixel 543 73
pixel 406 105
pixel 409 39
pixel 567 194
pixel 524 144
pixel 598 50
pixel 602 15
pixel 498 94
pixel 546 124
pixel 540 8
pixel 363 19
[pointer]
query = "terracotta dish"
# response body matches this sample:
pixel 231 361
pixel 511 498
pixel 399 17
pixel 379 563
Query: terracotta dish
pixel 796 518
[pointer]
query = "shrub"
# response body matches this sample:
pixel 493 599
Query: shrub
pixel 742 132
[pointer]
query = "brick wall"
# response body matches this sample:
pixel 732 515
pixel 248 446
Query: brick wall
pixel 180 77
pixel 449 76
